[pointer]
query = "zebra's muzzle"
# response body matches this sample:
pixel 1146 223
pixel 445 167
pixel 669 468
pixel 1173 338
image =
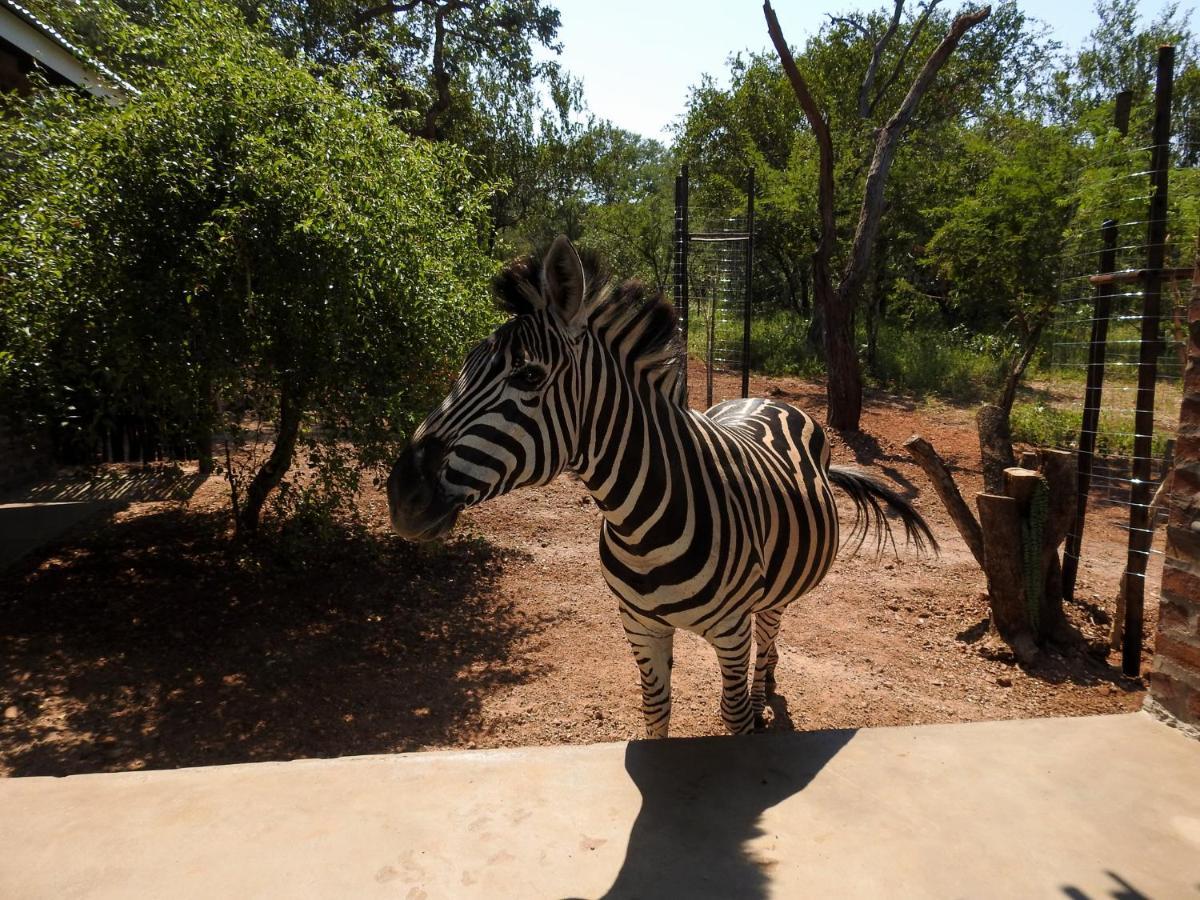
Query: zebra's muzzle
pixel 419 507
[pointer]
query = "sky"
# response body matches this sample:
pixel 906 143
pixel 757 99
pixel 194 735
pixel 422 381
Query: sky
pixel 637 58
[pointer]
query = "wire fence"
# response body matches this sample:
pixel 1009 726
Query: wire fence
pixel 714 258
pixel 717 280
pixel 1124 287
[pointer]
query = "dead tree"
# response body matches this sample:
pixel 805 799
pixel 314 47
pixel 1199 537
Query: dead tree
pixel 836 300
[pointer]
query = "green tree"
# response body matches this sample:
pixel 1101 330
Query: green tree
pixel 994 248
pixel 860 130
pixel 240 223
pixel 459 71
pixel 629 207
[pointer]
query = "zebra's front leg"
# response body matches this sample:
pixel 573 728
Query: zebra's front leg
pixel 733 653
pixel 766 629
pixel 652 651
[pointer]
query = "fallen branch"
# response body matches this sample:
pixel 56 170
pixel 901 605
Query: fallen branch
pixel 935 469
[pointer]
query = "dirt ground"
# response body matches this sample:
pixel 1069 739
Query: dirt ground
pixel 142 641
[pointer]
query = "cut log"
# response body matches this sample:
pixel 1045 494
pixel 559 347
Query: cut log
pixel 1059 469
pixel 1020 484
pixel 1029 459
pixel 943 483
pixel 1000 521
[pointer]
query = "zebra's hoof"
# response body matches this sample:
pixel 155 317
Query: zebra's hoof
pixel 763 719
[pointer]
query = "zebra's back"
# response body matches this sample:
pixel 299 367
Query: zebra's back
pixel 760 528
pixel 799 539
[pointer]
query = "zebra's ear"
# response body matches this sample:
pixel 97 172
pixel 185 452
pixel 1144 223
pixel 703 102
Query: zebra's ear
pixel 564 282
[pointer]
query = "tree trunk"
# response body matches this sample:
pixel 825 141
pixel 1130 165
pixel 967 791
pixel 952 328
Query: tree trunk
pixel 1016 371
pixel 845 378
pixel 844 385
pixel 204 451
pixel 268 477
pixel 1058 468
pixel 441 78
pixel 805 301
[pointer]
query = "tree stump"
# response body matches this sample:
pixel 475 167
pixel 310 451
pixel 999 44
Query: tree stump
pixel 1023 520
pixel 1000 519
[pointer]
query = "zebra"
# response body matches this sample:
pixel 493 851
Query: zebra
pixel 712 522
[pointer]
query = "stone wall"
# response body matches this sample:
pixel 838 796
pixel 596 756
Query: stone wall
pixel 1175 673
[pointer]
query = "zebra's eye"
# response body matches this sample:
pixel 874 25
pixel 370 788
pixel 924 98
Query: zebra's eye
pixel 528 377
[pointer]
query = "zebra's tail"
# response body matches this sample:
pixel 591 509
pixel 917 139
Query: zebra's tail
pixel 870 496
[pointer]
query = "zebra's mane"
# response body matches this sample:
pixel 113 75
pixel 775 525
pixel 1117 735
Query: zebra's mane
pixel 612 311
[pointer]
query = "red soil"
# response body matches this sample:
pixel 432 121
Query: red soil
pixel 142 641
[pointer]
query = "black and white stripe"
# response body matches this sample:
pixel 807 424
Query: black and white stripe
pixel 713 522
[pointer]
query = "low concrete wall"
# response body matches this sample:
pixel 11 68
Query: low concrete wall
pixel 1175 675
pixel 1106 806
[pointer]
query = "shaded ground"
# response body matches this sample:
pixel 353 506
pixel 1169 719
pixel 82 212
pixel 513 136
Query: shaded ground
pixel 141 641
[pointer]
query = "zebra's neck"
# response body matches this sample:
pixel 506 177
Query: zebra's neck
pixel 630 443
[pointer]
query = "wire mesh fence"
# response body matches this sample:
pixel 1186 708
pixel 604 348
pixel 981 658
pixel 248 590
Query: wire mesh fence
pixel 717 276
pixel 1114 378
pixel 714 259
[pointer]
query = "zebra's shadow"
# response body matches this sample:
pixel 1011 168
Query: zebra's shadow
pixel 702 801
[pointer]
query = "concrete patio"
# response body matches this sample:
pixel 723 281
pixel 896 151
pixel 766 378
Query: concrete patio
pixel 1079 808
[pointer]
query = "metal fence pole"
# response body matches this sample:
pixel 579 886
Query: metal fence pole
pixel 679 275
pixel 1139 505
pixel 685 238
pixel 749 283
pixel 1097 350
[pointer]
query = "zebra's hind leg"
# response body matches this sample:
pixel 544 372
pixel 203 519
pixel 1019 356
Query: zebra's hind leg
pixel 766 628
pixel 652 651
pixel 733 654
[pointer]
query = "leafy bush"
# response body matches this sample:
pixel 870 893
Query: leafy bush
pixel 240 242
pixel 950 363
pixel 954 364
pixel 779 345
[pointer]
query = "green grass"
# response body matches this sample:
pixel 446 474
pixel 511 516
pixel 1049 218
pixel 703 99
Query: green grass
pixel 1043 425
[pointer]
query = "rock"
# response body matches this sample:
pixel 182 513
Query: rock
pixel 11 712
pixel 1003 681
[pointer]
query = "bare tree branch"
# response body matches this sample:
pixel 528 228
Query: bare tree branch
pixel 908 45
pixel 825 196
pixel 885 151
pixel 850 22
pixel 864 92
pixel 385 9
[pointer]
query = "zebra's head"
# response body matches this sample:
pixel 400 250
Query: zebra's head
pixel 512 417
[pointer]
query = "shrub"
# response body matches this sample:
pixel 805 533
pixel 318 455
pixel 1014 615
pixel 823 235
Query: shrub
pixel 239 230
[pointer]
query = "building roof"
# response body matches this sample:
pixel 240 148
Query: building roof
pixel 28 33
